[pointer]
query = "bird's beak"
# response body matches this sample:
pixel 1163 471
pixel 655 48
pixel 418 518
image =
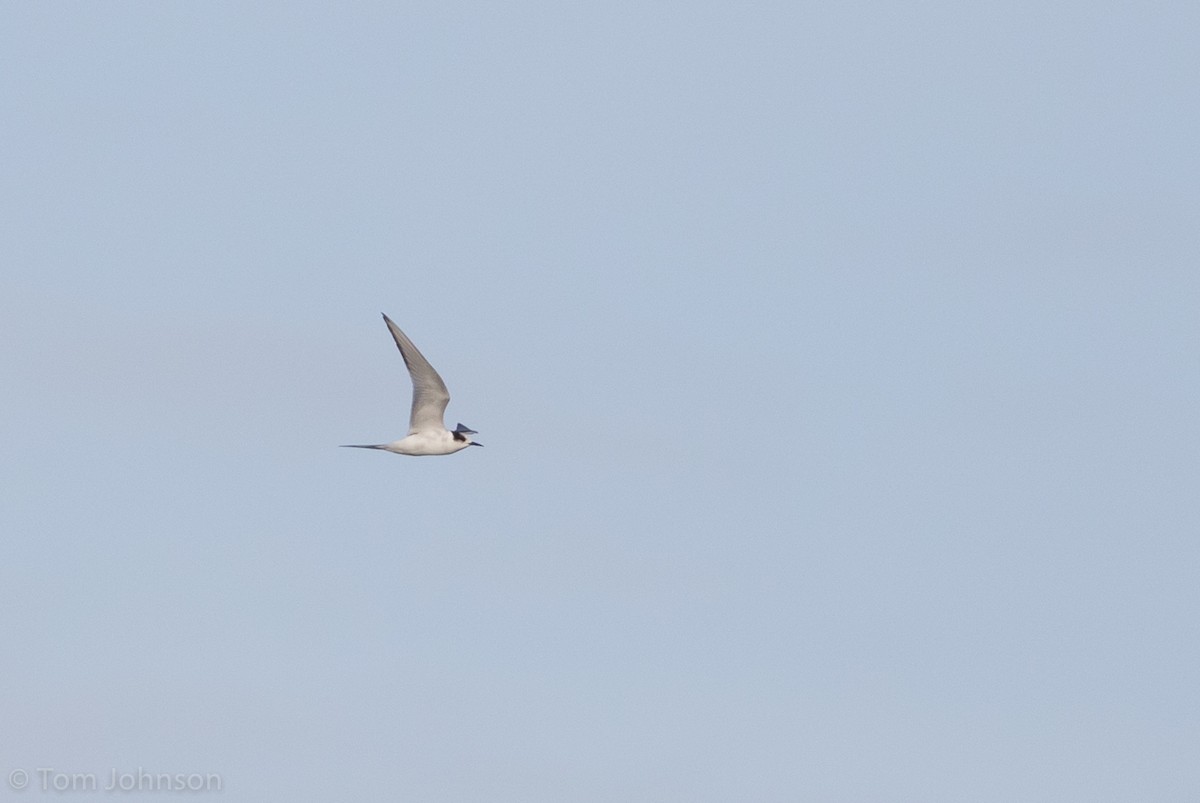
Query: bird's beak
pixel 474 443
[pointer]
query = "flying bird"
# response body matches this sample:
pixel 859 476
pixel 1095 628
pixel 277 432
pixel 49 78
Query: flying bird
pixel 427 433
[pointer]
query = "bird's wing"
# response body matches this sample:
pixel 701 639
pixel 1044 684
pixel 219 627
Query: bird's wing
pixel 430 396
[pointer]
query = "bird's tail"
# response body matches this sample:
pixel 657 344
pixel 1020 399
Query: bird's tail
pixel 360 446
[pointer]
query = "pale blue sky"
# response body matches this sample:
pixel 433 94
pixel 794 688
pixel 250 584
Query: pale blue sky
pixel 837 367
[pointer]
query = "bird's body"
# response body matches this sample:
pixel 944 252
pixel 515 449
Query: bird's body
pixel 427 433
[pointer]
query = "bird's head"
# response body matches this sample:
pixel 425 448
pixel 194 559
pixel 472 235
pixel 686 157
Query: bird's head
pixel 463 435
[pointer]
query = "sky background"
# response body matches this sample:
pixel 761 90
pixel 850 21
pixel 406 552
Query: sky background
pixel 836 366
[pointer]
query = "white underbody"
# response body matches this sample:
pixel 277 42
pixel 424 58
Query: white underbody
pixel 419 444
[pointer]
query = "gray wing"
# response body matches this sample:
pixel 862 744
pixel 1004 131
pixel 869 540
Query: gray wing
pixel 430 396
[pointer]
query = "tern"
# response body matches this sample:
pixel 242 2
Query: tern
pixel 427 433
